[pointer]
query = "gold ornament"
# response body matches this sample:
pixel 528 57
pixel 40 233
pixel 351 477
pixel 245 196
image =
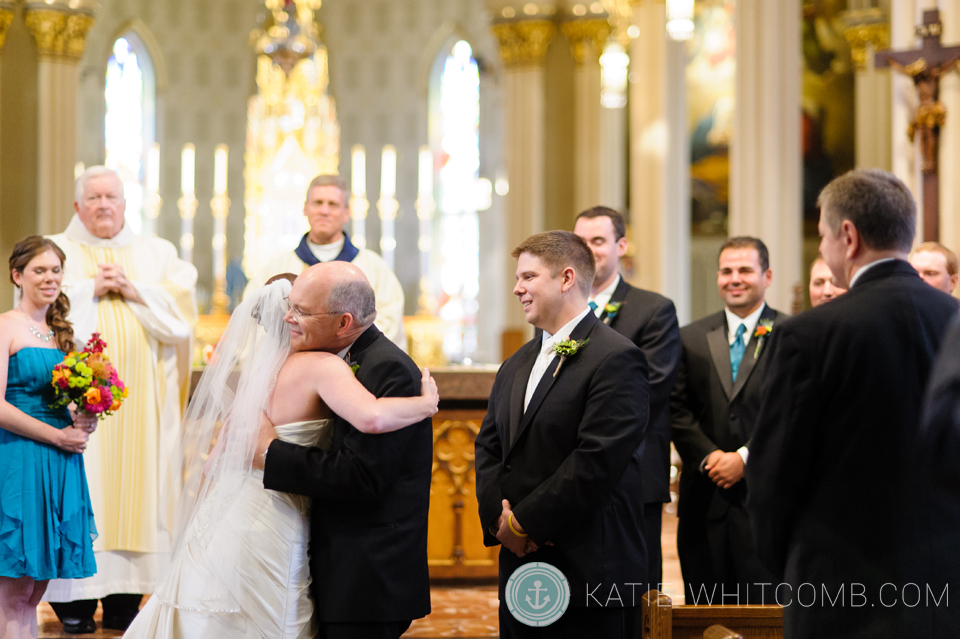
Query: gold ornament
pixel 6 17
pixel 60 35
pixel 581 33
pixel 861 35
pixel 524 43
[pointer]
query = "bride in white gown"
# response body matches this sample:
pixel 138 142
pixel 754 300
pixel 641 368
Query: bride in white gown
pixel 240 567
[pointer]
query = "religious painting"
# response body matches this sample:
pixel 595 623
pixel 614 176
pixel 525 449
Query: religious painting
pixel 827 101
pixel 710 76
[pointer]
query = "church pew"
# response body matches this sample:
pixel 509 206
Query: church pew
pixel 719 632
pixel 662 620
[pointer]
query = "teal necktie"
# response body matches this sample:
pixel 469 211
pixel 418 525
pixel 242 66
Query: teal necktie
pixel 736 350
pixel 592 305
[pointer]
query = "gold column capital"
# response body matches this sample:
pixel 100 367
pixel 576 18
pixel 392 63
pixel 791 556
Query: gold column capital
pixel 865 28
pixel 524 43
pixel 6 17
pixel 584 32
pixel 60 34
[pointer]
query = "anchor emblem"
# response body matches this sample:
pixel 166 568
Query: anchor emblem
pixel 537 590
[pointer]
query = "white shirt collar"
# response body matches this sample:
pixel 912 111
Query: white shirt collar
pixel 866 267
pixel 77 232
pixel 564 332
pixel 750 321
pixel 603 297
pixel 326 252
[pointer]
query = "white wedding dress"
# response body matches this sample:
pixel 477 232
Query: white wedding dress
pixel 265 534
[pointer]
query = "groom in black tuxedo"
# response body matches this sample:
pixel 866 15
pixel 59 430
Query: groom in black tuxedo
pixel 371 493
pixel 557 461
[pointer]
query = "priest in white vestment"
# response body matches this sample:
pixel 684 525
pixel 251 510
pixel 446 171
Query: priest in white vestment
pixel 141 297
pixel 327 212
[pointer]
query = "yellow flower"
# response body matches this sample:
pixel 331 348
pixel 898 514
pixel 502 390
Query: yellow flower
pixel 92 395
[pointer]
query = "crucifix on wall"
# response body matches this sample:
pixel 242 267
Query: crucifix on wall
pixel 926 66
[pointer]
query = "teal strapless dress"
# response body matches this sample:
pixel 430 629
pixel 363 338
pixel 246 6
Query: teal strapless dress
pixel 46 520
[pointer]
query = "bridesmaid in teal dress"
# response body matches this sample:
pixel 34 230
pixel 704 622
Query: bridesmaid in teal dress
pixel 46 521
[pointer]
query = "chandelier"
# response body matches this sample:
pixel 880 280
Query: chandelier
pixel 288 32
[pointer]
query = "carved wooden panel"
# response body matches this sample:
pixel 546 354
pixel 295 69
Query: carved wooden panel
pixel 455 547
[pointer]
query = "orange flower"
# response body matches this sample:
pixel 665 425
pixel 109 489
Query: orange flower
pixel 762 330
pixel 115 405
pixel 92 395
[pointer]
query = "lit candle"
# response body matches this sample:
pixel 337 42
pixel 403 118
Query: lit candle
pixel 153 169
pixel 220 170
pixel 358 171
pixel 425 183
pixel 187 169
pixel 387 203
pixel 388 172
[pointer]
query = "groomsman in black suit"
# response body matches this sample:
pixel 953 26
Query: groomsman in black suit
pixel 649 320
pixel 834 475
pixel 557 464
pixel 714 408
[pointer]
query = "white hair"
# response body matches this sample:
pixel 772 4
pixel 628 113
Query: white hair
pixel 89 174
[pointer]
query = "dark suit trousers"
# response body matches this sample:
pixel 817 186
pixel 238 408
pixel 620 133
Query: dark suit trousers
pixel 578 623
pixel 381 630
pixel 652 520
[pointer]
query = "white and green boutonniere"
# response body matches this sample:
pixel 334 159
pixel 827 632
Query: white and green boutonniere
pixel 611 310
pixel 567 348
pixel 764 328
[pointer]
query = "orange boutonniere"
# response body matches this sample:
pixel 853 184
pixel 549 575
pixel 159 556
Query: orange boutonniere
pixel 764 328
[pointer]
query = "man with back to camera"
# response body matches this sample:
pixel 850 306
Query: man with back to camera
pixel 833 470
pixel 649 320
pixel 327 212
pixel 714 408
pixel 556 457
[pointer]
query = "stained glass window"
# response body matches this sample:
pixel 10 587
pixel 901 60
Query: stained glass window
pixel 459 192
pixel 126 123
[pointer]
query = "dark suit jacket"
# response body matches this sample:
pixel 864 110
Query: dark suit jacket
pixel 830 470
pixel 572 470
pixel 371 493
pixel 709 411
pixel 936 512
pixel 649 320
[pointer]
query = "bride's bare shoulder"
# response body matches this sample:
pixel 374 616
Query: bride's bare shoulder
pixel 307 359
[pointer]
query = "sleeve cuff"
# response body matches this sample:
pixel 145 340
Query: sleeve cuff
pixel 744 453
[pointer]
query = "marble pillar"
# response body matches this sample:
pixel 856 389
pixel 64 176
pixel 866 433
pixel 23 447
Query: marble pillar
pixel 659 161
pixel 950 136
pixel 903 104
pixel 60 35
pixel 765 153
pixel 7 14
pixel 869 32
pixel 523 47
pixel 586 38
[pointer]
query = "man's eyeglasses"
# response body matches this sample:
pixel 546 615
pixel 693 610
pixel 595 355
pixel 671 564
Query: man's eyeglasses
pixel 298 312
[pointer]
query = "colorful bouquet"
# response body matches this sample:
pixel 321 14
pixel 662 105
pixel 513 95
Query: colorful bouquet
pixel 89 381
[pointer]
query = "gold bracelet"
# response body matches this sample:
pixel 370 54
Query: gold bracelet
pixel 514 530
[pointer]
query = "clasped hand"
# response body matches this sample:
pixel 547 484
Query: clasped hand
pixel 111 278
pixel 724 469
pixel 519 545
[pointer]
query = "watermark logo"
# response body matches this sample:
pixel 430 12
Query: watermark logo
pixel 537 594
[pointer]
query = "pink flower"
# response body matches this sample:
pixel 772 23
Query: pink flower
pixel 106 400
